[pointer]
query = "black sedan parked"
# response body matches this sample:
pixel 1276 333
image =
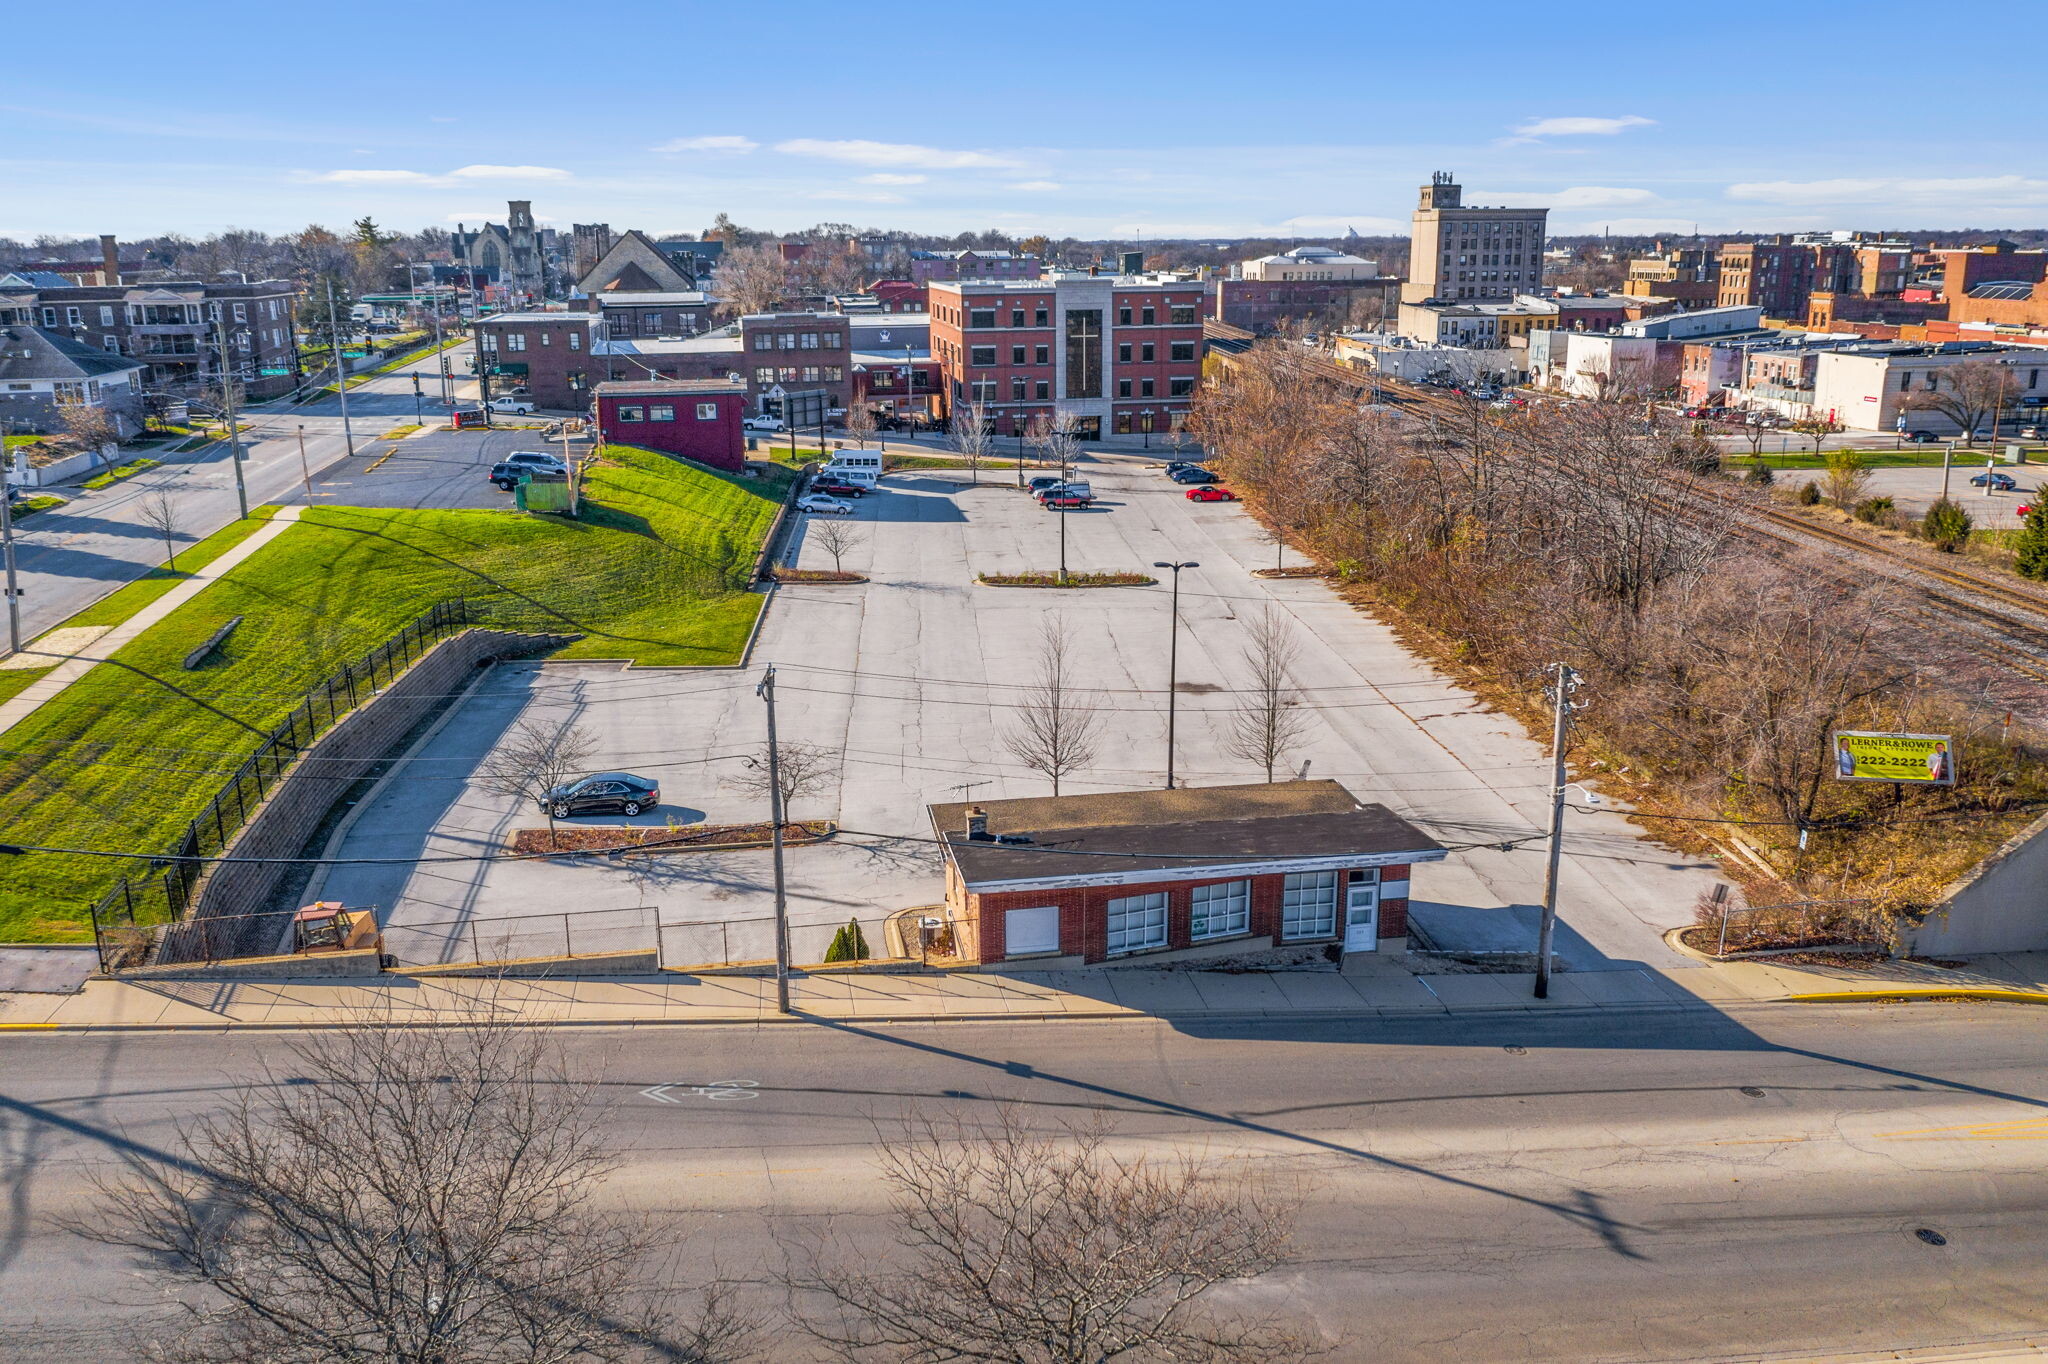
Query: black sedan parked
pixel 1194 474
pixel 602 793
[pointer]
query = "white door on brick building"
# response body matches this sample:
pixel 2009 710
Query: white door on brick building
pixel 1362 912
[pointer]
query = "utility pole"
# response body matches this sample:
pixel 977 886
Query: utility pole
pixel 227 390
pixel 305 471
pixel 7 543
pixel 1172 660
pixel 766 691
pixel 348 434
pixel 1564 681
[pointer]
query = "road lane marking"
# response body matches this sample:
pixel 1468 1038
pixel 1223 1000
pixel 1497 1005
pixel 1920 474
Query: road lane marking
pixel 714 1090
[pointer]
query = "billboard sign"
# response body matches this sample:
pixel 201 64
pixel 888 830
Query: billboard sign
pixel 1920 759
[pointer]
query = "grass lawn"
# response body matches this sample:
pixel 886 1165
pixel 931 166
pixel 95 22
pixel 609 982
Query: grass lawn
pixel 896 461
pixel 1912 457
pixel 656 571
pixel 29 506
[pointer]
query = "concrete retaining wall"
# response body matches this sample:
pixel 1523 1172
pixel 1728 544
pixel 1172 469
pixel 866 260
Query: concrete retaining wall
pixel 298 804
pixel 2000 906
pixel 313 966
pixel 641 963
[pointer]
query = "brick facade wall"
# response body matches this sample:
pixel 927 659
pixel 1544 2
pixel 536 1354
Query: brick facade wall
pixel 555 350
pixel 1084 913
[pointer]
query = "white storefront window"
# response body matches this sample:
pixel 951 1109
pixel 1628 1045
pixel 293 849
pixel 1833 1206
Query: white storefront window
pixel 1219 911
pixel 1137 922
pixel 1308 905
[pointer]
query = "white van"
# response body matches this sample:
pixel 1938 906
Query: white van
pixel 855 466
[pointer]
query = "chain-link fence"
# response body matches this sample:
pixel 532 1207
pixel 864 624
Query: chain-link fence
pixel 1725 924
pixel 577 933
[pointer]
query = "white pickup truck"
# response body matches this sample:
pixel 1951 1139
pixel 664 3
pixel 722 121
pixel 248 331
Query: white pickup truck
pixel 522 406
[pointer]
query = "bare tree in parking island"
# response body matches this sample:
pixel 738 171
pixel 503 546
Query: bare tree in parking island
pixel 533 760
pixel 1055 730
pixel 974 435
pixel 837 538
pixel 1269 722
pixel 427 1195
pixel 1026 1247
pixel 800 769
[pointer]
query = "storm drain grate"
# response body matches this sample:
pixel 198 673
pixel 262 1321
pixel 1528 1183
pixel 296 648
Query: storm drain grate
pixel 1930 1236
pixel 1752 1091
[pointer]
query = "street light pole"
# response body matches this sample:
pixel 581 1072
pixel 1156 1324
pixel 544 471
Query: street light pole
pixel 766 691
pixel 227 389
pixel 348 434
pixel 305 471
pixel 7 543
pixel 1173 663
pixel 1564 681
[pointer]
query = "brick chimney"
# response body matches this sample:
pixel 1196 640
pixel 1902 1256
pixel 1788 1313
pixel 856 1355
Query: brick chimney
pixel 110 259
pixel 977 825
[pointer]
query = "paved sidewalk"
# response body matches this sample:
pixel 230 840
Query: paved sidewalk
pixel 675 997
pixel 75 664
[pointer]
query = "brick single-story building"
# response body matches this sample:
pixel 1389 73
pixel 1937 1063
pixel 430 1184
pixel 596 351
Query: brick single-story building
pixel 1156 876
pixel 698 419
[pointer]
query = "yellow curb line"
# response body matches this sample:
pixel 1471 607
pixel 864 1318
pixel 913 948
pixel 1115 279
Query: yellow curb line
pixel 21 1027
pixel 381 458
pixel 1930 992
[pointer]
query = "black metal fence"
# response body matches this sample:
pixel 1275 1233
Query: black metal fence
pixel 159 889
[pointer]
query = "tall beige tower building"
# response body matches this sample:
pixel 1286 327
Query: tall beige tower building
pixel 1472 254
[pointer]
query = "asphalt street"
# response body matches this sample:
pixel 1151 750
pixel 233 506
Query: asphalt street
pixel 71 557
pixel 1663 1186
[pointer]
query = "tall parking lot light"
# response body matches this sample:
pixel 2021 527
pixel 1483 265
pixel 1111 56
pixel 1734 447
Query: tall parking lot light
pixel 1173 663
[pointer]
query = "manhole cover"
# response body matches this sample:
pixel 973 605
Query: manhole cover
pixel 1930 1236
pixel 1752 1091
pixel 1513 1050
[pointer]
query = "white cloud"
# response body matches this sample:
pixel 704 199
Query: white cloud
pixel 887 178
pixel 2001 190
pixel 861 152
pixel 1592 196
pixel 858 196
pixel 711 143
pixel 1322 224
pixel 1581 127
pixel 376 177
pixel 1037 186
pixel 509 173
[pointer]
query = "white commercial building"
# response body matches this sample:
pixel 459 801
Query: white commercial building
pixel 1696 326
pixel 1871 389
pixel 1309 263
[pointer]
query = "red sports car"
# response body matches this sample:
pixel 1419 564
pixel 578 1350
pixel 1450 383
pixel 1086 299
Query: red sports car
pixel 1211 493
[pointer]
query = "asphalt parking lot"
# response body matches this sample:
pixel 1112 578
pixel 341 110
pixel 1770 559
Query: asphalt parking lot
pixel 444 469
pixel 912 681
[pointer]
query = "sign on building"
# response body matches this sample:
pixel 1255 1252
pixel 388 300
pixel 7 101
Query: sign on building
pixel 1922 759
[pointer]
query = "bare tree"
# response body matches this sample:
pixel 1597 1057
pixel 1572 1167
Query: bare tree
pixel 974 435
pixel 534 759
pixel 415 1194
pixel 1817 430
pixel 1025 1248
pixel 751 279
pixel 801 769
pixel 1055 731
pixel 89 426
pixel 860 423
pixel 1966 394
pixel 161 513
pixel 1269 722
pixel 836 537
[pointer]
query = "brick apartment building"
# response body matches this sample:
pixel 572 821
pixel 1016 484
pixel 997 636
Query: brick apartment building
pixel 1965 269
pixel 1198 872
pixel 1779 274
pixel 550 354
pixel 654 313
pixel 927 266
pixel 795 352
pixel 169 327
pixel 1469 253
pixel 1120 354
pixel 1690 275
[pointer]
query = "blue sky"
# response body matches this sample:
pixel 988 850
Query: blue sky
pixel 1102 120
